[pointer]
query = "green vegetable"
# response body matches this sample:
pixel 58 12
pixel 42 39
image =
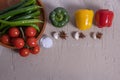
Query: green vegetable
pixel 21 22
pixel 34 26
pixel 2 26
pixel 21 4
pixel 29 16
pixel 28 3
pixel 23 14
pixel 59 17
pixel 19 11
pixel 12 7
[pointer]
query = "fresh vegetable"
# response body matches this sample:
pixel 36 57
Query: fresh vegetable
pixel 14 32
pixel 59 17
pixel 7 27
pixel 24 52
pixel 28 16
pixel 5 39
pixel 21 22
pixel 84 18
pixel 31 42
pixel 28 3
pixel 19 43
pixel 30 32
pixel 104 18
pixel 19 26
pixel 35 50
pixel 12 7
pixel 34 26
pixel 22 15
pixel 19 11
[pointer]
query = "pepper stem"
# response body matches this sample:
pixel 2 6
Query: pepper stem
pixel 59 17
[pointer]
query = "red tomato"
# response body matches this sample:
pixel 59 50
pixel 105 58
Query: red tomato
pixel 30 32
pixel 5 39
pixel 24 52
pixel 35 50
pixel 19 43
pixel 14 32
pixel 32 42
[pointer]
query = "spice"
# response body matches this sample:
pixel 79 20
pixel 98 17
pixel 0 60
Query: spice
pixel 99 35
pixel 63 35
pixel 81 35
pixel 55 35
pixel 76 35
pixel 46 42
pixel 93 35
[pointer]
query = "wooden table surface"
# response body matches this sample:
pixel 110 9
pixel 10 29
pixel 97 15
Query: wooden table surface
pixel 85 59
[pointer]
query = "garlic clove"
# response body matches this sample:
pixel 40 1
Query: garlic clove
pixel 76 35
pixel 56 35
pixel 93 35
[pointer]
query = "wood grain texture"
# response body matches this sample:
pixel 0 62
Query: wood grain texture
pixel 85 59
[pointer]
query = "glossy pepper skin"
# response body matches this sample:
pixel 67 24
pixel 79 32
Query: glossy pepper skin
pixel 104 18
pixel 84 19
pixel 59 17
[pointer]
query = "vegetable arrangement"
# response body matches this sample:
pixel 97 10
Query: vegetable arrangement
pixel 19 26
pixel 59 17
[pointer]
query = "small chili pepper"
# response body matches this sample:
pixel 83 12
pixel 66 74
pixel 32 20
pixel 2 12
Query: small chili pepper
pixel 104 18
pixel 59 17
pixel 84 18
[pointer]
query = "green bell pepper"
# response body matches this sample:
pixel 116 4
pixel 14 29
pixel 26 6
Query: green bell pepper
pixel 59 17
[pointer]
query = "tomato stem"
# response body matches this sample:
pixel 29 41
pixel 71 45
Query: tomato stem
pixel 22 32
pixel 23 36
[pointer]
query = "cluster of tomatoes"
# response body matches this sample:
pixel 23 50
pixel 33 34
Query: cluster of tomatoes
pixel 25 45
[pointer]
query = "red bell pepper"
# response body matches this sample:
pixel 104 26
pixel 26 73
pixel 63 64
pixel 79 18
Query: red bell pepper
pixel 104 18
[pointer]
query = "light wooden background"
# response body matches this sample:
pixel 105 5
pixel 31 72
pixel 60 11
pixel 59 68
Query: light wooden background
pixel 85 59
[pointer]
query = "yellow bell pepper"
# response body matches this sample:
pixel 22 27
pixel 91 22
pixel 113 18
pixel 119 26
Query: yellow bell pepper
pixel 84 19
